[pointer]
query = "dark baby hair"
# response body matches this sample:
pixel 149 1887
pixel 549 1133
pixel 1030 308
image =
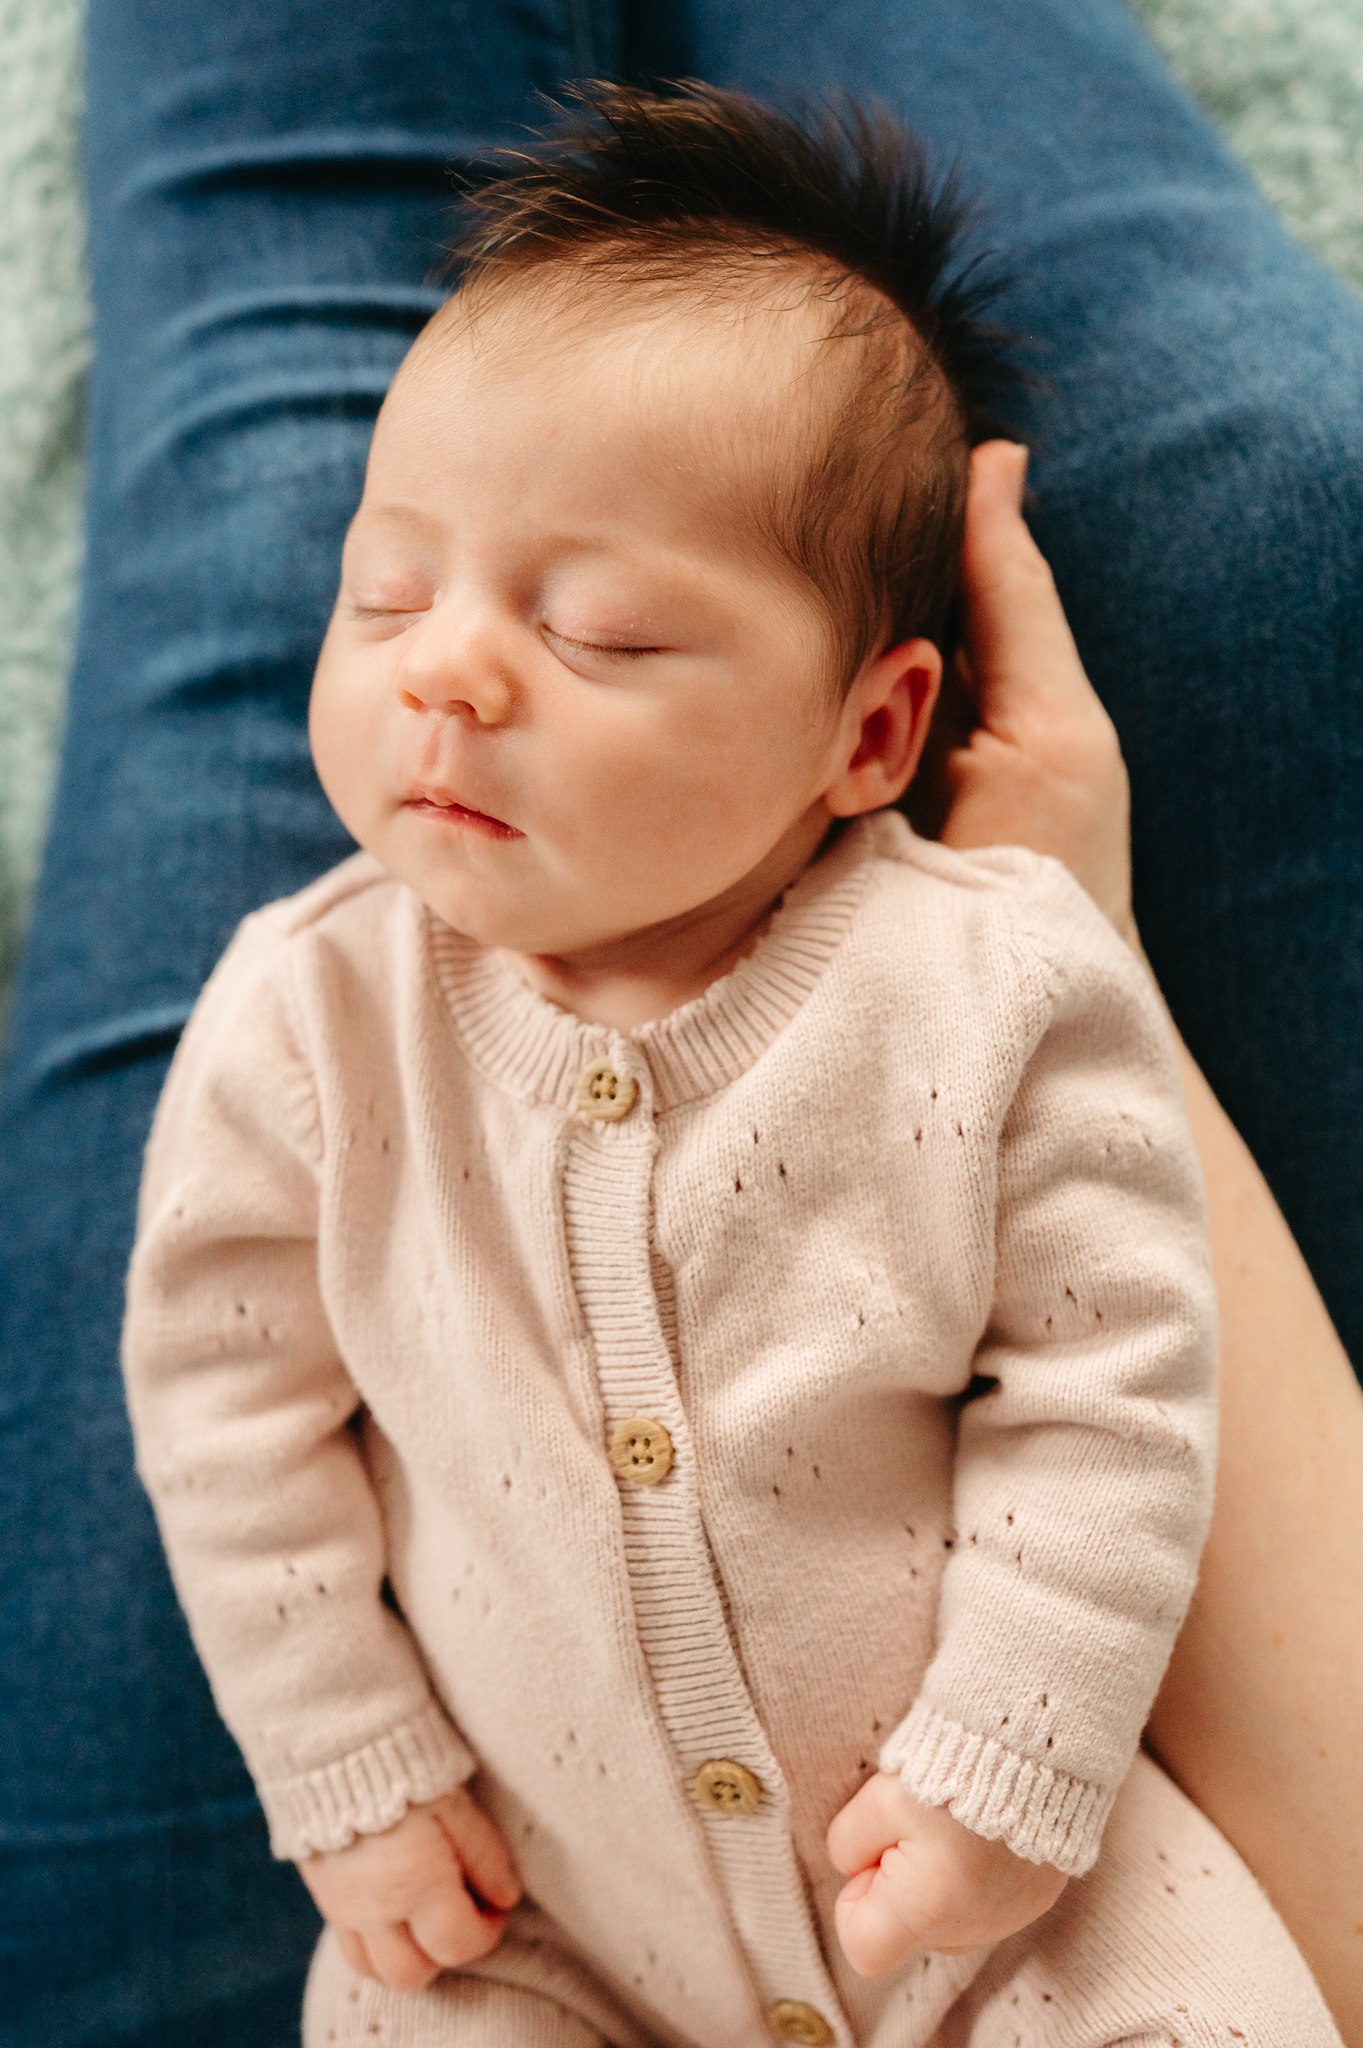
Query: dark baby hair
pixel 704 190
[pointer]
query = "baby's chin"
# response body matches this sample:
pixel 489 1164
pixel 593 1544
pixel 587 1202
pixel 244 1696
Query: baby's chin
pixel 501 920
pixel 462 887
pixel 506 896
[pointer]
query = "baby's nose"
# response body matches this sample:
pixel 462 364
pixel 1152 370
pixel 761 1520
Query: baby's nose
pixel 457 673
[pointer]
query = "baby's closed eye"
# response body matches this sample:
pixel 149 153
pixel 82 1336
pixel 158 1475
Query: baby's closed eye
pixel 365 612
pixel 607 649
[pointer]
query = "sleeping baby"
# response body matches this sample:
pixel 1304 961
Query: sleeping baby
pixel 671 1336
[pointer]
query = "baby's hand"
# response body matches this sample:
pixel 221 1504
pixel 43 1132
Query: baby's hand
pixel 920 1880
pixel 426 1896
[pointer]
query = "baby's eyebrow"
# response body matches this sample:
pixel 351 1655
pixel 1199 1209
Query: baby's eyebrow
pixel 394 512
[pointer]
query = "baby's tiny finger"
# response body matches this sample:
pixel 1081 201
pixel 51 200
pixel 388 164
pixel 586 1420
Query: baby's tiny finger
pixel 858 1886
pixel 452 1931
pixel 875 1936
pixel 865 1826
pixel 482 1852
pixel 398 1961
pixel 356 1954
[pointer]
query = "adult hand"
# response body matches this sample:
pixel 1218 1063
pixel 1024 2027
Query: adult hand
pixel 1025 754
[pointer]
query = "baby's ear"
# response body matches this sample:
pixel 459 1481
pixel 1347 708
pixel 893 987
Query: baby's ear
pixel 884 726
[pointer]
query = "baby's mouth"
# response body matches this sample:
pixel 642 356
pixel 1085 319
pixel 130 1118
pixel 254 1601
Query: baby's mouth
pixel 444 809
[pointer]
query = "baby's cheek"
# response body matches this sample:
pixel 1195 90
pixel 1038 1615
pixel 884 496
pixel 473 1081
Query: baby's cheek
pixel 687 816
pixel 348 750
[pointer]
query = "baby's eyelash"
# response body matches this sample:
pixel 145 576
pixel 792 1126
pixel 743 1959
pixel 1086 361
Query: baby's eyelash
pixel 382 611
pixel 602 646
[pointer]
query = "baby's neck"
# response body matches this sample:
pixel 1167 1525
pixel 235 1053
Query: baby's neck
pixel 643 975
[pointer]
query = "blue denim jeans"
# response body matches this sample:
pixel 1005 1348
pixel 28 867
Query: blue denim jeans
pixel 269 186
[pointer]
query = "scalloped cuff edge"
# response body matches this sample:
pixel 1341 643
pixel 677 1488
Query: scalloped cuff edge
pixel 1044 1815
pixel 368 1791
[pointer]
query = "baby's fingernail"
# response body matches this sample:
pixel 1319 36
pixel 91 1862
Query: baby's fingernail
pixel 1021 456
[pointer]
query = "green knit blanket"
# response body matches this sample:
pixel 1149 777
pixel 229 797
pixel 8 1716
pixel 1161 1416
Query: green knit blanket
pixel 1282 78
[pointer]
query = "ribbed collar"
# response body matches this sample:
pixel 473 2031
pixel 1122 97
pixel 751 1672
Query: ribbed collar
pixel 519 1040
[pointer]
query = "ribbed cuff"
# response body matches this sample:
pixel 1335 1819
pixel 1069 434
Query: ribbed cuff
pixel 369 1790
pixel 1042 1814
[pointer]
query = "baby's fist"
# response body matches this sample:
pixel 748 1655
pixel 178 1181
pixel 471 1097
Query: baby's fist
pixel 425 1896
pixel 921 1880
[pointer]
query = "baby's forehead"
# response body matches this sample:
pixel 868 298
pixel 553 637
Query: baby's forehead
pixel 757 363
pixel 798 424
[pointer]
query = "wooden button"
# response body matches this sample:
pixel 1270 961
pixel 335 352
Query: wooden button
pixel 727 1787
pixel 801 2023
pixel 604 1095
pixel 641 1450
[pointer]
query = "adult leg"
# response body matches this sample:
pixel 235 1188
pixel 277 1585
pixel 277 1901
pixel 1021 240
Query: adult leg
pixel 268 193
pixel 1199 478
pixel 267 199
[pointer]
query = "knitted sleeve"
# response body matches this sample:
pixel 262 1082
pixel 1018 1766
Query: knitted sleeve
pixel 241 1412
pixel 1084 1462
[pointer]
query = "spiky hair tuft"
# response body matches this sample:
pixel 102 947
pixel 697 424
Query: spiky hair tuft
pixel 677 187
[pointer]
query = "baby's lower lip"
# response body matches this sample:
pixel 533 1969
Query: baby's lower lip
pixel 460 815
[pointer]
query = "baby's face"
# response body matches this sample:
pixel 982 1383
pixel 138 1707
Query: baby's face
pixel 567 692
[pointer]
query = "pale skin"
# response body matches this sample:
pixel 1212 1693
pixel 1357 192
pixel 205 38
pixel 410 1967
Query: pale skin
pixel 541 610
pixel 565 694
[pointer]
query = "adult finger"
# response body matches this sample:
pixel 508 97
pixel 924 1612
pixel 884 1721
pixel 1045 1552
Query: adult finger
pixel 1021 650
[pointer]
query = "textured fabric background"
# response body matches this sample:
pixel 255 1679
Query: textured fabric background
pixel 43 341
pixel 1283 78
